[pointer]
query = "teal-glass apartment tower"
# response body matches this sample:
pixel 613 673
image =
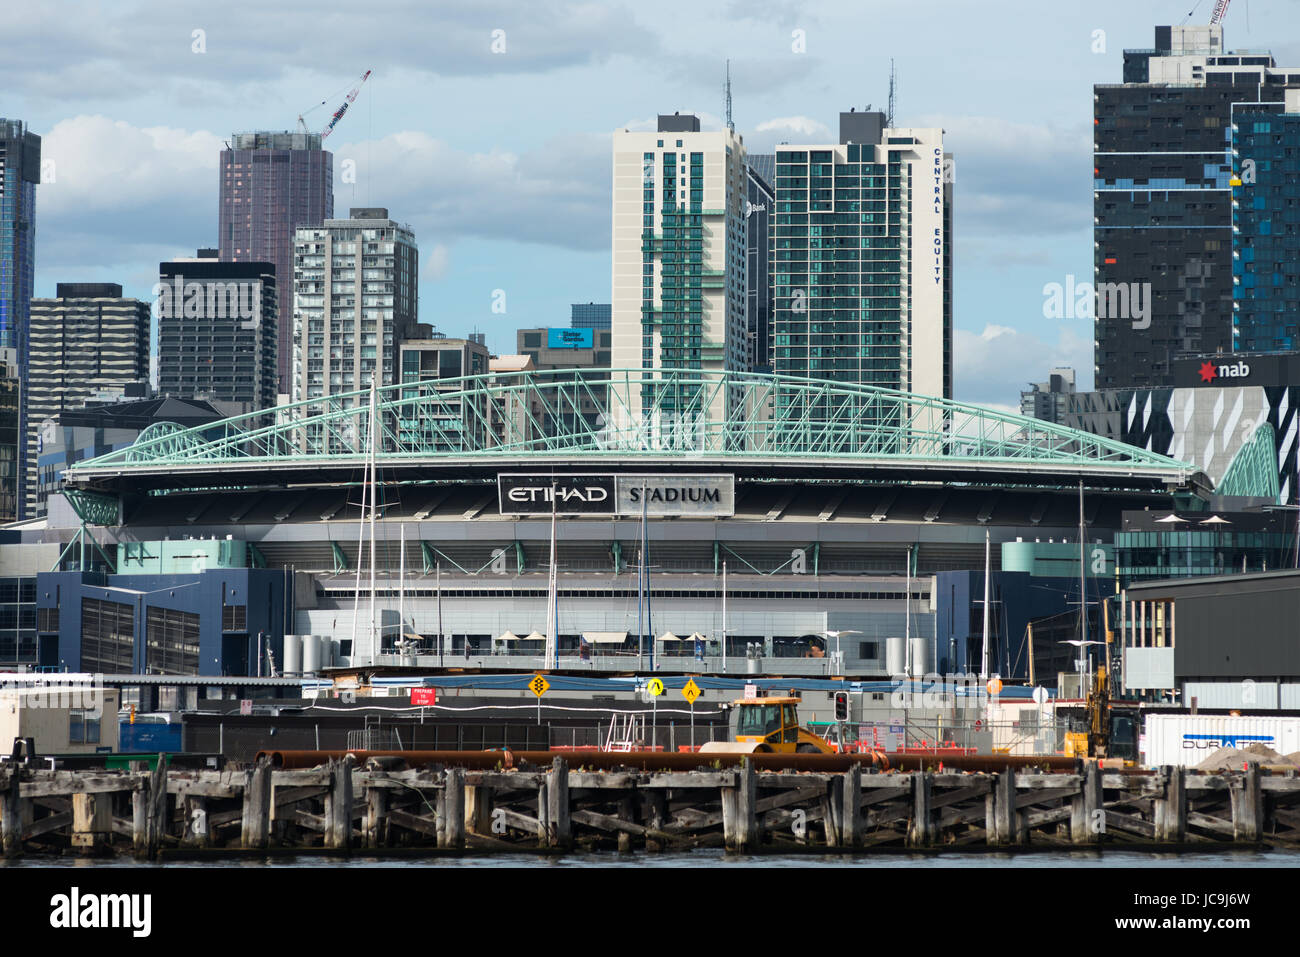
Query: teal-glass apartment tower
pixel 862 258
pixel 1266 225
pixel 20 171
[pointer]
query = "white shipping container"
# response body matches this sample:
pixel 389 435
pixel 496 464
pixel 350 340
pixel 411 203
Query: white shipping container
pixel 1187 740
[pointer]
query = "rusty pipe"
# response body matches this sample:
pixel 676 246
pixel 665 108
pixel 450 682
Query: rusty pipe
pixel 668 761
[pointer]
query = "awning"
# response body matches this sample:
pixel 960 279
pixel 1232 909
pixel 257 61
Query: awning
pixel 605 637
pixel 507 636
pixel 536 636
pixel 669 636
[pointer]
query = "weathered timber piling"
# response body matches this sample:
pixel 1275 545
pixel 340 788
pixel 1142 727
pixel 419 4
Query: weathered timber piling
pixel 739 814
pixel 339 806
pixel 921 832
pixel 1171 810
pixel 1087 811
pixel 255 831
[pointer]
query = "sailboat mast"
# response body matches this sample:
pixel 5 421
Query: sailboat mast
pixel 552 603
pixel 374 490
pixel 401 585
pixel 907 606
pixel 361 552
pixel 988 564
pixel 724 617
pixel 1083 593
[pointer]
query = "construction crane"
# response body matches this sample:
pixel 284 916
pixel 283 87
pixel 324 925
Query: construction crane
pixel 338 114
pixel 1220 8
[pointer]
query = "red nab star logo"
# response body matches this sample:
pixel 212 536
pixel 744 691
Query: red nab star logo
pixel 1208 372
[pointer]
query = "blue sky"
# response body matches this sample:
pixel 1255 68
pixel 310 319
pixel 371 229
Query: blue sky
pixel 501 160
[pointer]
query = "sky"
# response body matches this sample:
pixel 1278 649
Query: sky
pixel 487 126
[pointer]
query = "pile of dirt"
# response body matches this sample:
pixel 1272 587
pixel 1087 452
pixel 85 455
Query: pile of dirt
pixel 1231 759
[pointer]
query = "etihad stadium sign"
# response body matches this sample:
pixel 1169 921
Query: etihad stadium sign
pixel 655 496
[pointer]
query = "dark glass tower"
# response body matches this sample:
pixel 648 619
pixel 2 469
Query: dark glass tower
pixel 20 171
pixel 272 183
pixel 1266 221
pixel 218 331
pixel 1162 201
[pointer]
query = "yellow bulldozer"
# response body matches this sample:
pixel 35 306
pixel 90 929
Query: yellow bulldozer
pixel 767 726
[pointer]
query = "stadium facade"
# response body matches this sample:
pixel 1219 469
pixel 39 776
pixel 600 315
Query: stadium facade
pixel 195 549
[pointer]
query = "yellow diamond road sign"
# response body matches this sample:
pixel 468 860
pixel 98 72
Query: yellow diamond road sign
pixel 690 691
pixel 539 685
pixel 656 687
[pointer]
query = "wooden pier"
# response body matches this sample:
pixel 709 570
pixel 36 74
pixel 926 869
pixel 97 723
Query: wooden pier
pixel 343 807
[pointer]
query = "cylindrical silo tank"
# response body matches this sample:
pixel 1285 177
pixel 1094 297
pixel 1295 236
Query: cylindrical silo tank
pixel 328 651
pixel 920 656
pixel 292 654
pixel 310 654
pixel 896 655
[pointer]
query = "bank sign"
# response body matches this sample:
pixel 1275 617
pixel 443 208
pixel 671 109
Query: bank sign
pixel 656 496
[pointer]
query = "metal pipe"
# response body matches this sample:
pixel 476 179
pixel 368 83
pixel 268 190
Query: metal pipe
pixel 668 761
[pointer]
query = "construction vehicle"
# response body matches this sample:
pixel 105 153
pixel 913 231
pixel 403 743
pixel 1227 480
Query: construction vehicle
pixel 1102 728
pixel 767 725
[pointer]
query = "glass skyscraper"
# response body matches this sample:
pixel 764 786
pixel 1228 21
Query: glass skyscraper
pixel 20 171
pixel 1266 226
pixel 1164 204
pixel 271 184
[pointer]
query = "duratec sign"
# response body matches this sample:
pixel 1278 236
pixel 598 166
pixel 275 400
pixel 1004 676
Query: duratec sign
pixel 655 496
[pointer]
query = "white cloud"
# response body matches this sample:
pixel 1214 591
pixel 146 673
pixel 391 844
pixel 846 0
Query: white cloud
pixel 993 366
pixel 438 263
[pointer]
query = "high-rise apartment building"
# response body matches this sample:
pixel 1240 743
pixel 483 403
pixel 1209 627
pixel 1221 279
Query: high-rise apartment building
pixel 1049 400
pixel 20 172
pixel 862 258
pixel 87 341
pixel 679 258
pixel 355 302
pixel 760 205
pixel 1266 225
pixel 1163 200
pixel 271 184
pixel 589 315
pixel 10 436
pixel 218 331
pixel 567 349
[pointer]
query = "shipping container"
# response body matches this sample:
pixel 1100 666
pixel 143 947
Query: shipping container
pixel 1187 740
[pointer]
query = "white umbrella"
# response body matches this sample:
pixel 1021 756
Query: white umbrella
pixel 1215 520
pixel 1170 518
pixel 668 636
pixel 508 636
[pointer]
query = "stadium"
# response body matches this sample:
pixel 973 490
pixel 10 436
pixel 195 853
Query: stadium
pixel 841 529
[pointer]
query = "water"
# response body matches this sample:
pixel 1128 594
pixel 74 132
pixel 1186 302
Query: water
pixel 717 858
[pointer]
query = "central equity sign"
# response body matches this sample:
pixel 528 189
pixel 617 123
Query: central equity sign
pixel 658 496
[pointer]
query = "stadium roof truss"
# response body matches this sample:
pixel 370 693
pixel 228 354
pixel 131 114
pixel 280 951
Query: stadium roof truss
pixel 579 417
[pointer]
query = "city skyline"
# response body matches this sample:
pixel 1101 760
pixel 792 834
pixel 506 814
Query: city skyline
pixel 509 188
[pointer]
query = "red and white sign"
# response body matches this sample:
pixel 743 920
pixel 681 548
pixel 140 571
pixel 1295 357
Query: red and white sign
pixel 751 691
pixel 424 697
pixel 246 706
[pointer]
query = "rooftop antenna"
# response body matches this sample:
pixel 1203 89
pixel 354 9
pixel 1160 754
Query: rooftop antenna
pixel 727 96
pixel 889 118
